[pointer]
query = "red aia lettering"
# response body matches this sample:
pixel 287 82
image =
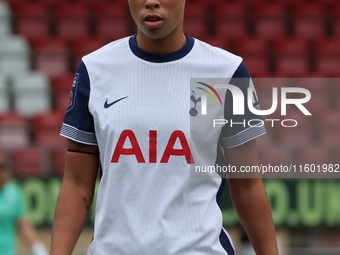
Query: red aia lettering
pixel 135 150
pixel 153 146
pixel 170 151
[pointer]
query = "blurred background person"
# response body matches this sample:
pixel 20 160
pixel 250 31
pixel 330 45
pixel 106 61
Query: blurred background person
pixel 12 215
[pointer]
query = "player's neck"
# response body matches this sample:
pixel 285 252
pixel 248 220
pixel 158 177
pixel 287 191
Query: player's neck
pixel 171 43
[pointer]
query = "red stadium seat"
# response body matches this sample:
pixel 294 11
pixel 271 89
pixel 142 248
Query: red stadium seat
pixel 46 129
pixel 309 28
pixel 328 57
pixel 330 3
pixel 196 10
pixel 15 3
pixel 196 20
pixel 334 87
pixel 84 46
pixel 301 133
pixel 309 20
pixel 231 20
pixel 336 25
pixel 292 66
pixel 260 73
pixel 271 20
pixel 14 131
pixel 335 12
pixel 304 121
pixel 61 99
pixel 196 29
pixel 329 126
pixel 96 1
pixel 273 155
pixel 232 28
pixel 292 74
pixel 255 53
pixel 32 20
pixel 312 155
pixel 292 57
pixel 29 162
pixel 256 64
pixel 307 156
pixel 217 41
pixel 72 20
pixel 112 20
pixel 61 90
pixel 320 94
pixel 329 136
pixel 295 135
pixel 328 46
pixel 329 65
pixel 58 158
pixel 293 46
pixel 51 57
pixel 329 119
pixel 335 152
pixel 52 3
pixel 257 46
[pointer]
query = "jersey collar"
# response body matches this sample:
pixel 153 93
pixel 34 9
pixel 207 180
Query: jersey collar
pixel 160 58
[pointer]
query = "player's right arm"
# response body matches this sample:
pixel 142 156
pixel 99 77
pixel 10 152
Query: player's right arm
pixel 75 197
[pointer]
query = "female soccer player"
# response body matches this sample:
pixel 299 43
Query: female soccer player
pixel 130 103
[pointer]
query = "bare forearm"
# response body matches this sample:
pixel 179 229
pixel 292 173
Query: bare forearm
pixel 75 197
pixel 70 216
pixel 253 209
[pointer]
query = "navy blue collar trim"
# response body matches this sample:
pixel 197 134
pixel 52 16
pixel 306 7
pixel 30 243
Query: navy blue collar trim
pixel 160 58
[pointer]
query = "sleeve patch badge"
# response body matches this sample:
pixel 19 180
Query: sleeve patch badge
pixel 73 93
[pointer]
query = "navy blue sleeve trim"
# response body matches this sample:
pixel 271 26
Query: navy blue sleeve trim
pixel 232 136
pixel 241 72
pixel 78 123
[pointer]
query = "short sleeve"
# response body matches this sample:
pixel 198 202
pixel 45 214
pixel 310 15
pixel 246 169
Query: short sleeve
pixel 248 126
pixel 78 123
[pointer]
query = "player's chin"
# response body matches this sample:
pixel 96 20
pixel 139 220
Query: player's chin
pixel 155 33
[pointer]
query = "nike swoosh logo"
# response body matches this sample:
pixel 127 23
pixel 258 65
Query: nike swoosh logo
pixel 106 105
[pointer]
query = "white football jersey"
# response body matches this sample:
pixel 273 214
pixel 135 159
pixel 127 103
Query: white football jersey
pixel 139 108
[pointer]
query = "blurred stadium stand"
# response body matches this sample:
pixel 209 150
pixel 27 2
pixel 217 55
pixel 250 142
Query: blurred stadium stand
pixel 46 128
pixel 4 95
pixel 42 42
pixel 31 93
pixel 29 162
pixel 14 55
pixel 14 131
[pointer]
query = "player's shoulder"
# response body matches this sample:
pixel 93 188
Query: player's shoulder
pixel 216 52
pixel 108 50
pixel 221 57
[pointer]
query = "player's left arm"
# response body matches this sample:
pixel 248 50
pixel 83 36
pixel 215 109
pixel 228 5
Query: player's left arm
pixel 250 200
